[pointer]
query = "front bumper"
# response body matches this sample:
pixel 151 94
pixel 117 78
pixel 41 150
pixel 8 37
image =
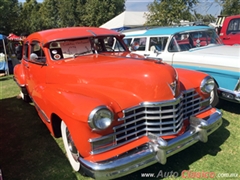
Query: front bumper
pixel 157 150
pixel 232 96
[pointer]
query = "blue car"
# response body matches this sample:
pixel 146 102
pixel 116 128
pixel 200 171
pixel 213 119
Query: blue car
pixel 192 47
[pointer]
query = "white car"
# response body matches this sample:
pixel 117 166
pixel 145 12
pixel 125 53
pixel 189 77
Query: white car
pixel 192 47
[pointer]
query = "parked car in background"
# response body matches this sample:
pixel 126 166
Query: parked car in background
pixel 228 28
pixel 117 112
pixel 193 47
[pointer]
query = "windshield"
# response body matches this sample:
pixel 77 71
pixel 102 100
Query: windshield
pixel 85 46
pixel 186 40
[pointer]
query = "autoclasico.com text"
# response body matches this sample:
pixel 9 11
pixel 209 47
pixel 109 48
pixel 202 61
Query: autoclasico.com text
pixel 190 174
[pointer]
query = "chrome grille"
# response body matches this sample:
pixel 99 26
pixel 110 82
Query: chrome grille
pixel 159 118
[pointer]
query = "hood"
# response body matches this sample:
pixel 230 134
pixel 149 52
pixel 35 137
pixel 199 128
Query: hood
pixel 124 80
pixel 222 57
pixel 221 50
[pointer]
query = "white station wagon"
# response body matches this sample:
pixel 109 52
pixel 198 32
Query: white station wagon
pixel 192 47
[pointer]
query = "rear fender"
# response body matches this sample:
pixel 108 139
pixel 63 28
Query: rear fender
pixel 19 75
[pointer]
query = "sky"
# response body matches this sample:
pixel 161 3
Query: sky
pixel 204 7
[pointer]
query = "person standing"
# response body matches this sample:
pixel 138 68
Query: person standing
pixel 23 36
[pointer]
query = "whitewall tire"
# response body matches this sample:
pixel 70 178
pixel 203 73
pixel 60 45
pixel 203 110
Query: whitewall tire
pixel 214 98
pixel 70 148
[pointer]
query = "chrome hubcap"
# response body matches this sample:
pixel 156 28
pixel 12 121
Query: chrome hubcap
pixel 71 146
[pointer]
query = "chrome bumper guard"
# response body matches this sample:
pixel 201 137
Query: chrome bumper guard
pixel 157 150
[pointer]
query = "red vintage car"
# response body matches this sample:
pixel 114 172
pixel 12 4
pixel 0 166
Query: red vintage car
pixel 228 28
pixel 116 111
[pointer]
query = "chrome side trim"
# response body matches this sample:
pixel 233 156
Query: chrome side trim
pixel 42 112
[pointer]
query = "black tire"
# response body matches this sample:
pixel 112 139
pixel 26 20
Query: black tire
pixel 24 95
pixel 214 98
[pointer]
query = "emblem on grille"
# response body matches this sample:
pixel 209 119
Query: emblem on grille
pixel 173 87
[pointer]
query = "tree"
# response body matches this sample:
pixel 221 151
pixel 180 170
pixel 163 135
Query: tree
pixel 97 12
pixel 68 12
pixel 9 15
pixel 230 7
pixel 29 17
pixel 49 14
pixel 165 12
pixel 32 16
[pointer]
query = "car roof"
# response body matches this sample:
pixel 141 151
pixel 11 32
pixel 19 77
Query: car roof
pixel 164 30
pixel 47 36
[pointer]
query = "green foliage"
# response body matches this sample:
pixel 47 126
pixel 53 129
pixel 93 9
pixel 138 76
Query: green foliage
pixel 99 12
pixel 231 7
pixel 165 12
pixel 32 16
pixel 49 14
pixel 9 16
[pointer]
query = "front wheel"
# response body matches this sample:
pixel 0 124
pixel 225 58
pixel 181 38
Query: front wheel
pixel 214 98
pixel 71 150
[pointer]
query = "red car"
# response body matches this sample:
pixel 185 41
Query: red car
pixel 229 29
pixel 116 112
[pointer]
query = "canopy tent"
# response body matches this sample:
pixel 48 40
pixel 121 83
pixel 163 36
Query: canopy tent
pixel 126 20
pixel 8 57
pixel 3 55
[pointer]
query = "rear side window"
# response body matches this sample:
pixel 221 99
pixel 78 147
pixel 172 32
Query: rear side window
pixel 234 26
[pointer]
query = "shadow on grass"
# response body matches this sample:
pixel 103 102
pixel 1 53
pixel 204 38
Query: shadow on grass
pixel 27 150
pixel 6 78
pixel 229 106
pixel 181 161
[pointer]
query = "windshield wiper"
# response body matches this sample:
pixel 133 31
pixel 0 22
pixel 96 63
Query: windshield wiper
pixel 81 53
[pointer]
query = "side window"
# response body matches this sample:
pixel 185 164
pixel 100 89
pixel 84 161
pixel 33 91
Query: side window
pixel 111 43
pixel 25 51
pixel 157 43
pixel 234 26
pixel 173 46
pixel 37 53
pixel 141 42
pixel 127 41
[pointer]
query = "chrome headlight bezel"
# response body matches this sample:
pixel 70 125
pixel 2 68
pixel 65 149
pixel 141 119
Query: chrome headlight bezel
pixel 100 118
pixel 207 85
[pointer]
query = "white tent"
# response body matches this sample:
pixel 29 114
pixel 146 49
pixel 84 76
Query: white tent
pixel 126 20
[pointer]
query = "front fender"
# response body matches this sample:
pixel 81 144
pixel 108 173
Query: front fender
pixel 73 109
pixel 190 79
pixel 51 99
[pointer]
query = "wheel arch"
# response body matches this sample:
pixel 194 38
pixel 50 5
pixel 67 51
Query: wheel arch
pixel 56 125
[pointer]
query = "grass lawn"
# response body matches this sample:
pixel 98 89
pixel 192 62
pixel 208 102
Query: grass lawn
pixel 29 152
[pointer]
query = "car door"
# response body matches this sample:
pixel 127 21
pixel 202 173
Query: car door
pixel 34 67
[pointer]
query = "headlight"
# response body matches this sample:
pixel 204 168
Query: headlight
pixel 207 84
pixel 100 118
